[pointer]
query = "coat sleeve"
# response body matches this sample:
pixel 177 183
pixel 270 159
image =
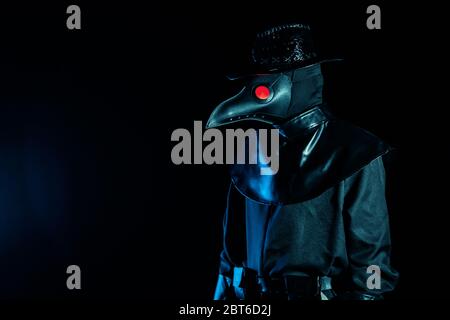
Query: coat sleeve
pixel 367 232
pixel 233 252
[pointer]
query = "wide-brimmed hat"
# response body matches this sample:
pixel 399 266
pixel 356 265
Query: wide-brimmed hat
pixel 281 48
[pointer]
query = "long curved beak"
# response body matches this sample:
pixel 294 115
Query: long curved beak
pixel 245 106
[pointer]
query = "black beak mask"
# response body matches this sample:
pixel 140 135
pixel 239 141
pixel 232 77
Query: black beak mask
pixel 272 98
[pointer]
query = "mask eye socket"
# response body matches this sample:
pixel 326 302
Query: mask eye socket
pixel 262 92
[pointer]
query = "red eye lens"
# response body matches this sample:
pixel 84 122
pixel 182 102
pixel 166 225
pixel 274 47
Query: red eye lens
pixel 262 92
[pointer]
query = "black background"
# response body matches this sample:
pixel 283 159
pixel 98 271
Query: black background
pixel 86 117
